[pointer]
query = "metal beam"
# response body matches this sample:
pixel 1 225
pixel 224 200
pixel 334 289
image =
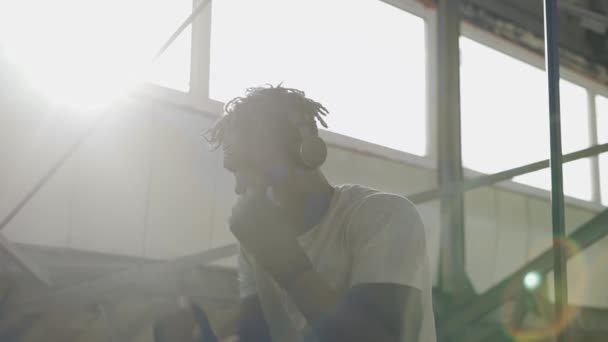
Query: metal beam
pixel 592 124
pixel 598 21
pixel 512 286
pixel 187 22
pixel 470 184
pixel 527 18
pixel 97 123
pixel 558 216
pixel 161 278
pixel 15 254
pixel 452 275
pixel 128 277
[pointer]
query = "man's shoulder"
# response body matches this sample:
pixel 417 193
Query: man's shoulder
pixel 368 205
pixel 367 198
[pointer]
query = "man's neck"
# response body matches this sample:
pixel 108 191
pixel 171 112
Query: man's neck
pixel 313 206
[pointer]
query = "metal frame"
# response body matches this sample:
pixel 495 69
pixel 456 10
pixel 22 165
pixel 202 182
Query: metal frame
pixel 24 261
pixel 201 53
pixel 527 56
pixel 557 179
pixel 452 270
pixel 487 180
pixel 593 140
pixel 198 98
pixel 588 233
pixel 92 292
pixel 12 250
pixel 512 286
pixel 157 278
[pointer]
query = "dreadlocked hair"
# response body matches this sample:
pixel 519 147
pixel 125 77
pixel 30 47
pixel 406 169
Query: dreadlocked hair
pixel 273 102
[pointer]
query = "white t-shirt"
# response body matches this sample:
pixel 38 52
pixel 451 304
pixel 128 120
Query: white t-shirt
pixel 366 236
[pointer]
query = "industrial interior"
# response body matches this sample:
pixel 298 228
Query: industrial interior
pixel 113 208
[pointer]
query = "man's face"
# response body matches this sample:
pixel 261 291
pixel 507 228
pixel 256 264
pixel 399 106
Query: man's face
pixel 257 159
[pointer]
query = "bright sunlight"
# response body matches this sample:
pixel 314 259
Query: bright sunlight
pixel 86 54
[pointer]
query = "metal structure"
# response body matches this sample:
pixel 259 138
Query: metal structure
pixel 584 25
pixel 26 263
pixel 452 273
pixel 13 251
pixel 557 177
pixel 450 192
pixel 155 278
pixel 487 180
pixel 512 286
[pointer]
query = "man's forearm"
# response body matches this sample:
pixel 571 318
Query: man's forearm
pixel 333 319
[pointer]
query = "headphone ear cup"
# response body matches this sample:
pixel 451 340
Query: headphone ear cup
pixel 313 152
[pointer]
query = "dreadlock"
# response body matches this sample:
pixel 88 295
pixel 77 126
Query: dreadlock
pixel 270 101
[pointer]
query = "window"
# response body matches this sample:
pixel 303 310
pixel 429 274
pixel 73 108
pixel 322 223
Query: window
pixel 368 68
pixel 172 69
pixel 79 51
pixel 602 136
pixel 505 119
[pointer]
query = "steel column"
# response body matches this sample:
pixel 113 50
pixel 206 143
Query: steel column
pixel 596 195
pixel 452 273
pixel 557 190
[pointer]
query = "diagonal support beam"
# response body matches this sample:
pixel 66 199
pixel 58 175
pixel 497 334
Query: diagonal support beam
pixel 470 184
pixel 88 292
pixel 15 254
pixel 510 287
pixel 13 251
pixel 154 278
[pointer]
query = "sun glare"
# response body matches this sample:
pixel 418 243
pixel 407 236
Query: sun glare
pixel 84 53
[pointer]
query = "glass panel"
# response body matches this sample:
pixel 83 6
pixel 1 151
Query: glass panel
pixel 172 69
pixel 368 68
pixel 505 118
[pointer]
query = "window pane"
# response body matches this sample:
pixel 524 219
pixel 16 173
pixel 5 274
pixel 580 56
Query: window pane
pixel 577 179
pixel 602 135
pixel 505 118
pixel 72 49
pixel 172 69
pixel 369 70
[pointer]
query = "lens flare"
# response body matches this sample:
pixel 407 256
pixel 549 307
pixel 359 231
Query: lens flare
pixel 532 281
pixel 549 325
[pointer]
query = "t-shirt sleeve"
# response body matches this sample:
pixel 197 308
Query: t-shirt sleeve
pixel 246 277
pixel 387 242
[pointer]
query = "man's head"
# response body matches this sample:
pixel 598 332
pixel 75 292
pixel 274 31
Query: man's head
pixel 261 134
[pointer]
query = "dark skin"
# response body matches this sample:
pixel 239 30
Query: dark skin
pixel 367 312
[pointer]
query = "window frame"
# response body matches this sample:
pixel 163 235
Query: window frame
pixel 197 97
pixel 592 89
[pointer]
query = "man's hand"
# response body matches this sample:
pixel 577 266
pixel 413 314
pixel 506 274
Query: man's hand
pixel 265 232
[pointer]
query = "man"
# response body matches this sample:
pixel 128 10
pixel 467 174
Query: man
pixel 317 262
